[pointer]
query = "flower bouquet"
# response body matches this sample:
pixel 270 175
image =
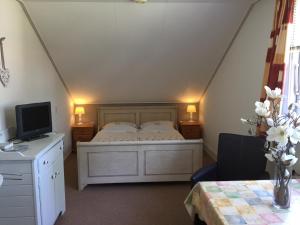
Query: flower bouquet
pixel 282 135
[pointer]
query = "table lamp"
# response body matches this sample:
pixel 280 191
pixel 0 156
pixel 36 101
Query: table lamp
pixel 191 109
pixel 79 110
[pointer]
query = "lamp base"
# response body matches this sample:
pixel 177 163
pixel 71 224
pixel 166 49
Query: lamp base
pixel 191 117
pixel 79 122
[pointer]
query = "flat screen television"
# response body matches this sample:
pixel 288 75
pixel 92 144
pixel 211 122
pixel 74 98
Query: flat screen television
pixel 33 120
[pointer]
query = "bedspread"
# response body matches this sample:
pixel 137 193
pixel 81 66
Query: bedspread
pixel 105 136
pixel 115 136
pixel 159 135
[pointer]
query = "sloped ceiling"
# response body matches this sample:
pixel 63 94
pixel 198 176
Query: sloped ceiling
pixel 121 51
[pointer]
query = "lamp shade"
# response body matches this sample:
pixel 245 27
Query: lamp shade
pixel 79 110
pixel 191 108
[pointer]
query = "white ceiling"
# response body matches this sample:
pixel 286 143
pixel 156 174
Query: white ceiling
pixel 120 51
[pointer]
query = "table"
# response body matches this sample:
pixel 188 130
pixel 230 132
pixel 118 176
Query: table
pixel 241 202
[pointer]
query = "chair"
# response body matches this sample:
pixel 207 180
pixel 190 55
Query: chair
pixel 240 157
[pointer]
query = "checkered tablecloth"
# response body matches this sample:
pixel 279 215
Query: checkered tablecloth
pixel 241 202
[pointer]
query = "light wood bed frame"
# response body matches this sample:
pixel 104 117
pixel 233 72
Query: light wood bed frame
pixel 137 161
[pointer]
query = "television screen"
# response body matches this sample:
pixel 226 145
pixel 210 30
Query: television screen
pixel 33 120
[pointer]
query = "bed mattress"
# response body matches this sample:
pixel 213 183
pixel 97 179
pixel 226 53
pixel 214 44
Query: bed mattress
pixel 104 136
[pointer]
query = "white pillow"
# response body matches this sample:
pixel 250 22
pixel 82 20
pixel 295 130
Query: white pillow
pixel 160 125
pixel 120 127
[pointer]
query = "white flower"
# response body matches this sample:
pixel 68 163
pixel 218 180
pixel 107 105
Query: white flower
pixel 294 135
pixel 292 151
pixel 286 173
pixel 278 134
pixel 262 108
pixel 270 122
pixel 273 93
pixel 244 121
pixel 274 154
pixel 294 161
pixel 289 160
pixel 269 157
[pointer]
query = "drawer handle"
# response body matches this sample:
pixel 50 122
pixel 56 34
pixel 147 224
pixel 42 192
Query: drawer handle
pixel 52 177
pixel 12 176
pixel 56 174
pixel 45 162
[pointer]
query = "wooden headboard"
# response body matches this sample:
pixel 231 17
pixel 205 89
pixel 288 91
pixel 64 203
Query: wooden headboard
pixel 135 114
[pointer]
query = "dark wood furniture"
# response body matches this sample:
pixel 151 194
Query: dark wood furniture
pixel 190 130
pixel 83 133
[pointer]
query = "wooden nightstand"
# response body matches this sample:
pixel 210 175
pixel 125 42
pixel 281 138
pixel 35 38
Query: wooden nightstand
pixel 190 130
pixel 83 132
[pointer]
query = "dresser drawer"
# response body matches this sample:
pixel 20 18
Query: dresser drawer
pixel 18 180
pixel 83 138
pixel 83 131
pixel 191 131
pixel 16 201
pixel 12 212
pixel 49 157
pixel 16 190
pixel 17 220
pixel 15 167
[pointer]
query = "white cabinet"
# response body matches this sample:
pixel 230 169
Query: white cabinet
pixel 52 187
pixel 47 197
pixel 38 198
pixel 59 186
pixel 51 183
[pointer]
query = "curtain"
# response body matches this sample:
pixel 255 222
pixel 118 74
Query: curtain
pixel 278 54
pixel 291 84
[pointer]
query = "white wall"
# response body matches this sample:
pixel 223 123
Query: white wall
pixel 120 51
pixel 237 84
pixel 33 78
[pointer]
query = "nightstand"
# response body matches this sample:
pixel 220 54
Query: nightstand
pixel 82 132
pixel 190 130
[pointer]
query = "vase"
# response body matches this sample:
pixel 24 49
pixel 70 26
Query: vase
pixel 282 193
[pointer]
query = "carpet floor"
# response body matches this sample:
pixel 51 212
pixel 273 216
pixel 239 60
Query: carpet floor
pixel 123 204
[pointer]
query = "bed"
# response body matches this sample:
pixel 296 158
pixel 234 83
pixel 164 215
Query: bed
pixel 137 155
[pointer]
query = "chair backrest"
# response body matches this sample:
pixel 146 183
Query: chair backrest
pixel 240 157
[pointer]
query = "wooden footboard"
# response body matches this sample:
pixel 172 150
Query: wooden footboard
pixel 137 162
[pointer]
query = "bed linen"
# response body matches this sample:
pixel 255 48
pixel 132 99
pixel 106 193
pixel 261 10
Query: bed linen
pixel 106 136
pixel 166 135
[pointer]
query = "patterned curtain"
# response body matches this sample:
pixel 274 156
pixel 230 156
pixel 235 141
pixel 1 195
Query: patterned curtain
pixel 277 54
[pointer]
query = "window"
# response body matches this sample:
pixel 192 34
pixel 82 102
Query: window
pixel 291 85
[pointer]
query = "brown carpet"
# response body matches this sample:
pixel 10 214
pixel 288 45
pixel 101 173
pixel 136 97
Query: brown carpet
pixel 123 204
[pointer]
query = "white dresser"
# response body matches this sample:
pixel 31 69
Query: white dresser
pixel 38 197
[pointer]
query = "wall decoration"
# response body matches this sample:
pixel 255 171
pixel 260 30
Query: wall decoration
pixel 4 73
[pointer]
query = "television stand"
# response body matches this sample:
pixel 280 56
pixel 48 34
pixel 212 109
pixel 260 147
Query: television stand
pixel 33 138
